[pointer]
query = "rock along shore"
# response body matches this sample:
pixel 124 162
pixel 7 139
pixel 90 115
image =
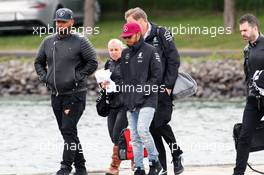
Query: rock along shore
pixel 215 79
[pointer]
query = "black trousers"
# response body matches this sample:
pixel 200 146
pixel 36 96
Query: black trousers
pixel 253 112
pixel 116 122
pixel 68 110
pixel 161 129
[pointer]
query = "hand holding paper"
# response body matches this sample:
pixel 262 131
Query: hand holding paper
pixel 103 76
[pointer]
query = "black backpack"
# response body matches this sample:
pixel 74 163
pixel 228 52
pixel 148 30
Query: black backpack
pixel 257 143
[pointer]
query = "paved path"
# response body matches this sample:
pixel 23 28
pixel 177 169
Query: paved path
pixel 189 170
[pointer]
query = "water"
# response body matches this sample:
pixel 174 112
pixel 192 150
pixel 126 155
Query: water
pixel 31 143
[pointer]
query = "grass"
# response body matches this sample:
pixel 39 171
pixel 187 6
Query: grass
pixel 186 41
pixel 110 27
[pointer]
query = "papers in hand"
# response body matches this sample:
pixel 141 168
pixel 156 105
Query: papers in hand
pixel 103 75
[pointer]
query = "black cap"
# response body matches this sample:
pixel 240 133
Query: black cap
pixel 63 14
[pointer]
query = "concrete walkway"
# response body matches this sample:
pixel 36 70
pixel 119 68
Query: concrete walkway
pixel 189 170
pixel 208 170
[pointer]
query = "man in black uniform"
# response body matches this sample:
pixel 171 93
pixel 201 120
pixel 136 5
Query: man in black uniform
pixel 63 62
pixel 254 109
pixel 161 38
pixel 141 74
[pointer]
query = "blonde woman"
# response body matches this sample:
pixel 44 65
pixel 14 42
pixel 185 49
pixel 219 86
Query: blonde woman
pixel 116 120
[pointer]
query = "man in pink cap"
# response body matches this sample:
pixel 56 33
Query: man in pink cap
pixel 141 74
pixel 160 128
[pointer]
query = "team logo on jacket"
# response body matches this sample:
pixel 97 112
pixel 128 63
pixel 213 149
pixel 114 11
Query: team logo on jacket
pixel 127 58
pixel 168 36
pixel 157 56
pixel 155 42
pixel 140 57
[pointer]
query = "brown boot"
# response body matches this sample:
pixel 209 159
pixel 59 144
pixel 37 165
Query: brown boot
pixel 114 167
pixel 132 165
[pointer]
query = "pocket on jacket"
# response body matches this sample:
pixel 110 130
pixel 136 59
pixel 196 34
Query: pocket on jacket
pixel 78 76
pixel 67 82
pixel 48 80
pixel 164 98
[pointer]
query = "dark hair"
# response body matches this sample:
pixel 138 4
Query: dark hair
pixel 251 19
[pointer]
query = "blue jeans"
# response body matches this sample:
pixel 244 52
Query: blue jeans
pixel 139 122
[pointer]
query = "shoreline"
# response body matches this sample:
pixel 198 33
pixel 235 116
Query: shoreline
pixel 220 79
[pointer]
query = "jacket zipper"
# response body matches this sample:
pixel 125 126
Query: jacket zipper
pixel 54 69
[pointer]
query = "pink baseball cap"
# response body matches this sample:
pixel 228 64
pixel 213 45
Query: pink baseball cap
pixel 130 29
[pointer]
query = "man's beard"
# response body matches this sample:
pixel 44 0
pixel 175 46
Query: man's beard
pixel 64 31
pixel 253 37
pixel 247 39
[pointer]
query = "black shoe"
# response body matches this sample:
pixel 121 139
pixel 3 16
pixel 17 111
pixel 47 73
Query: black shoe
pixel 139 171
pixel 80 172
pixel 155 168
pixel 64 170
pixel 177 164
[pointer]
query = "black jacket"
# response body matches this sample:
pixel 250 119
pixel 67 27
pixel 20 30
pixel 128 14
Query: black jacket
pixel 64 64
pixel 163 41
pixel 115 98
pixel 253 61
pixel 141 70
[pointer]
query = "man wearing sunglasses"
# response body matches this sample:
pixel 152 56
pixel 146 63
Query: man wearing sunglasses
pixel 141 74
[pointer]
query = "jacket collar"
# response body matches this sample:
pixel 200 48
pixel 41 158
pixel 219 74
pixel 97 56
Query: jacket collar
pixel 148 31
pixel 153 32
pixel 137 46
pixel 254 44
pixel 115 61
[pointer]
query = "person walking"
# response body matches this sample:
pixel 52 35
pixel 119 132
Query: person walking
pixel 141 74
pixel 116 120
pixel 161 38
pixel 254 109
pixel 63 63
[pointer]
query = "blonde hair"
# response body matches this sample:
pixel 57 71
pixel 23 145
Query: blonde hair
pixel 116 41
pixel 136 13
